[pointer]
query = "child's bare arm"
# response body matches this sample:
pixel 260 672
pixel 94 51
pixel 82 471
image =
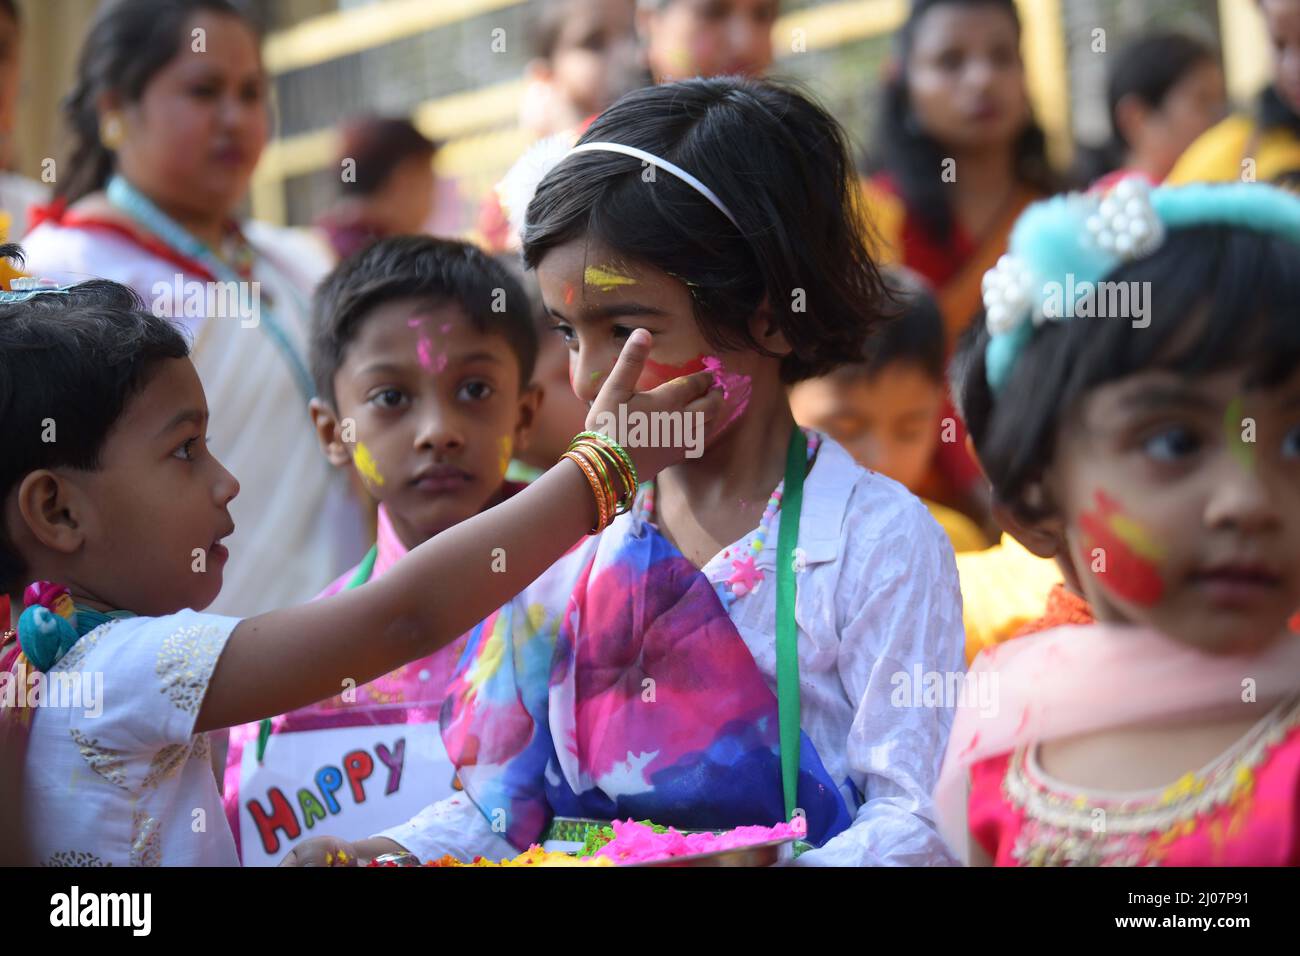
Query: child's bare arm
pixel 281 660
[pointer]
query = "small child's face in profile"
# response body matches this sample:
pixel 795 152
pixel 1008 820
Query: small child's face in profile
pixel 888 421
pixel 596 298
pixel 142 532
pixel 1180 502
pixel 430 412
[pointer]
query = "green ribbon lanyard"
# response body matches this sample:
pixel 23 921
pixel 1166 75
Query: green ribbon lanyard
pixel 362 575
pixel 787 634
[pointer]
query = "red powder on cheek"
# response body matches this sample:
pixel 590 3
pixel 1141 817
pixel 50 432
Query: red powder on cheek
pixel 656 373
pixel 1120 552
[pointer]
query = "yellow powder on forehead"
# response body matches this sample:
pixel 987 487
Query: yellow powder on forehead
pixel 605 278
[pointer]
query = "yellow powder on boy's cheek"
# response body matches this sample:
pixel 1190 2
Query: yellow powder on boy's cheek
pixel 507 447
pixel 605 278
pixel 365 463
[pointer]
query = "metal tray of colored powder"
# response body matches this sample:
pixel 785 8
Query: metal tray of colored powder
pixel 756 854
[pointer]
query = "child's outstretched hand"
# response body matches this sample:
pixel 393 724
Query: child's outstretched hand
pixel 689 395
pixel 331 851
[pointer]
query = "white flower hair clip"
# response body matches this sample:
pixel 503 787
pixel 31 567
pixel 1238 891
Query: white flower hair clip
pixel 1125 222
pixel 1064 243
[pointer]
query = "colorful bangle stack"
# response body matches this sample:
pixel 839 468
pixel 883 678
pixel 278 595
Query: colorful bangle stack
pixel 609 471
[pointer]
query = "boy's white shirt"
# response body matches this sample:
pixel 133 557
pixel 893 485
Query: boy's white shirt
pixel 878 597
pixel 296 524
pixel 131 785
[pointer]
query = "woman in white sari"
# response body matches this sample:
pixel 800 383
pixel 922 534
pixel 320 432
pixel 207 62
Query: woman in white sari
pixel 169 117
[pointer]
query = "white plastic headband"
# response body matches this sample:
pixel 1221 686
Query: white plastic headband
pixel 663 164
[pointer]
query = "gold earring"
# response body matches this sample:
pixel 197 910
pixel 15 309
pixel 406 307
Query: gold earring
pixel 111 131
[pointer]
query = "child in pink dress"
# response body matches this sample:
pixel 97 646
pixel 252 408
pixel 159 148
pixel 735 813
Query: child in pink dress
pixel 1154 449
pixel 424 388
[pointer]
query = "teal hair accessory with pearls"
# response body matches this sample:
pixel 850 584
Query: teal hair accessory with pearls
pixel 1062 247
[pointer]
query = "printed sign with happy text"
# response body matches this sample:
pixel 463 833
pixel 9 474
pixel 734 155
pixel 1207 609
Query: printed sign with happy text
pixel 348 782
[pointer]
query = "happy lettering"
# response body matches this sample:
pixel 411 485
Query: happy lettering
pixel 327 794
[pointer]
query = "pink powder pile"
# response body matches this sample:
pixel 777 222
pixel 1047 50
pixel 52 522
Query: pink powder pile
pixel 637 843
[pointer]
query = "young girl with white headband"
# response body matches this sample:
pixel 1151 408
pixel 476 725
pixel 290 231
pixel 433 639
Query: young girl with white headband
pixel 730 652
pixel 1134 398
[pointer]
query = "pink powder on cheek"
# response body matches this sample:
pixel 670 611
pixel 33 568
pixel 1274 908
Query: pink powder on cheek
pixel 736 390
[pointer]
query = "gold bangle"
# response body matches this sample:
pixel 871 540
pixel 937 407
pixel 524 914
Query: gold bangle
pixel 594 482
pixel 627 494
pixel 608 443
pixel 614 498
pixel 602 469
pixel 602 505
pixel 611 451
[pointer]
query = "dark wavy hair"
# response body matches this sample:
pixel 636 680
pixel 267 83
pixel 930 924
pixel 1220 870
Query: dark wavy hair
pixel 779 162
pixel 912 157
pixel 128 44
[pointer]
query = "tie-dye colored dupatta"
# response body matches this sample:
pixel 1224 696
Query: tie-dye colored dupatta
pixel 617 686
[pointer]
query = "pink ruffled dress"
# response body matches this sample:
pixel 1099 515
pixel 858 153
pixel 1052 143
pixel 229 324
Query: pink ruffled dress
pixel 1243 809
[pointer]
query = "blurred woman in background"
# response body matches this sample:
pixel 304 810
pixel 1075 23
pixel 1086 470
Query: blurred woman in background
pixel 168 117
pixel 958 156
pixel 1262 144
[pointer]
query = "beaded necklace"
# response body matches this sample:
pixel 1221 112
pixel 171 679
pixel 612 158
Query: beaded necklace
pixel 745 577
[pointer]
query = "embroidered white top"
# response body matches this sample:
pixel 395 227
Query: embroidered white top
pixel 878 607
pixel 115 775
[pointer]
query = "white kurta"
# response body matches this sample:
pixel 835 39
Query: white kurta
pixel 296 525
pixel 117 777
pixel 878 606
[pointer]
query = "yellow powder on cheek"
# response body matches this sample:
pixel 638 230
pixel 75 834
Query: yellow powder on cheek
pixel 507 448
pixel 366 465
